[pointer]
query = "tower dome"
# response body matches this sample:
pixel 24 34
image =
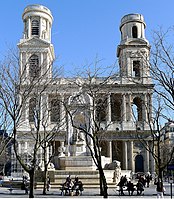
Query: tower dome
pixel 37 22
pixel 132 27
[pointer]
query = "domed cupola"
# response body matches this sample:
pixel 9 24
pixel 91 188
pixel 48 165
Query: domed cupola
pixel 37 22
pixel 132 27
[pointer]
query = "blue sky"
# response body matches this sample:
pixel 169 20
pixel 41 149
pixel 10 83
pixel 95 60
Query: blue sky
pixel 83 29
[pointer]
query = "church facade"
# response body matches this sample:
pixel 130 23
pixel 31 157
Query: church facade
pixel 124 118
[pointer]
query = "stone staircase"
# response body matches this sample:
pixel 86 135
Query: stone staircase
pixel 90 179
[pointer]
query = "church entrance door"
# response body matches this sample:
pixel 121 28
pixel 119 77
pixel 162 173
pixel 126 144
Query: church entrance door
pixel 139 164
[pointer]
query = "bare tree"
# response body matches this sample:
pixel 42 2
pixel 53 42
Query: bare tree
pixel 87 111
pixel 161 72
pixel 157 148
pixel 49 132
pixel 20 93
pixel 161 68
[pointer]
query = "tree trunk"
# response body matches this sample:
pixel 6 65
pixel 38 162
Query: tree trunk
pixel 45 181
pixel 31 193
pixel 103 185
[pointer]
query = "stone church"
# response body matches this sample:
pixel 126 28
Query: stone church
pixel 128 108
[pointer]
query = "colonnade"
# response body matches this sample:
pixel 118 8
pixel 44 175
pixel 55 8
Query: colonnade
pixel 129 156
pixel 126 106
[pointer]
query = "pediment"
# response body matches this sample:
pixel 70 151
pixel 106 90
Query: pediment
pixel 34 42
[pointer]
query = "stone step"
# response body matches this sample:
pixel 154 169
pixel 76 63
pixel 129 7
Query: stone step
pixel 75 173
pixel 79 176
pixel 86 185
pixel 90 179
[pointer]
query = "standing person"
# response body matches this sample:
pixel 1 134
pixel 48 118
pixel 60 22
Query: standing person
pixel 48 183
pixel 159 188
pixel 148 178
pixel 25 184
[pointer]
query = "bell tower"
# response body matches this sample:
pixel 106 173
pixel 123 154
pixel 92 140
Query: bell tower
pixel 133 51
pixel 36 50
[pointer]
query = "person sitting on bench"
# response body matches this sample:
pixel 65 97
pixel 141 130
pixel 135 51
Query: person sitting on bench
pixel 78 186
pixel 67 185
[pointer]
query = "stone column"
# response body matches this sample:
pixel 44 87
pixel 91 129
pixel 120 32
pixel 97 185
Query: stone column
pixel 125 167
pixel 62 112
pixel 47 30
pixel 68 137
pixel 151 159
pixel 19 148
pixel 146 158
pixel 109 107
pixel 130 108
pixel 61 148
pixel 145 108
pixel 130 157
pixel 26 146
pixel 123 107
pixel 40 27
pixel 29 27
pixel 109 149
pixel 43 66
pixel 150 105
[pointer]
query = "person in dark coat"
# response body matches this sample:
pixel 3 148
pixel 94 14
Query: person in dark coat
pixel 148 179
pixel 130 188
pixel 48 183
pixel 159 188
pixel 140 187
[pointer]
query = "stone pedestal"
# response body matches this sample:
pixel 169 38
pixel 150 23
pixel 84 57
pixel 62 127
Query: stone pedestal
pixel 77 163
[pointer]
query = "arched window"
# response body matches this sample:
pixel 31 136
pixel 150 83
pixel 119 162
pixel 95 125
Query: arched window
pixel 101 107
pixel 137 109
pixel 134 32
pixel 115 107
pixel 55 110
pixel 35 27
pixel 34 68
pixel 136 68
pixel 32 107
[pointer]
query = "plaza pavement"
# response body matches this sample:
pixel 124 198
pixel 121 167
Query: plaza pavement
pixel 88 193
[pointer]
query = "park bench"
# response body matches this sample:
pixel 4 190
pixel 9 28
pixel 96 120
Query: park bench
pixel 66 191
pixel 70 191
pixel 124 189
pixel 14 185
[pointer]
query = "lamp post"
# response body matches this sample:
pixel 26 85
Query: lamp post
pixel 170 168
pixel 170 180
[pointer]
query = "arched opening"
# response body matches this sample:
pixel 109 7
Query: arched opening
pixel 54 109
pixel 139 163
pixel 136 68
pixel 134 32
pixel 101 109
pixel 117 152
pixel 34 68
pixel 137 109
pixel 35 28
pixel 32 108
pixel 115 107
